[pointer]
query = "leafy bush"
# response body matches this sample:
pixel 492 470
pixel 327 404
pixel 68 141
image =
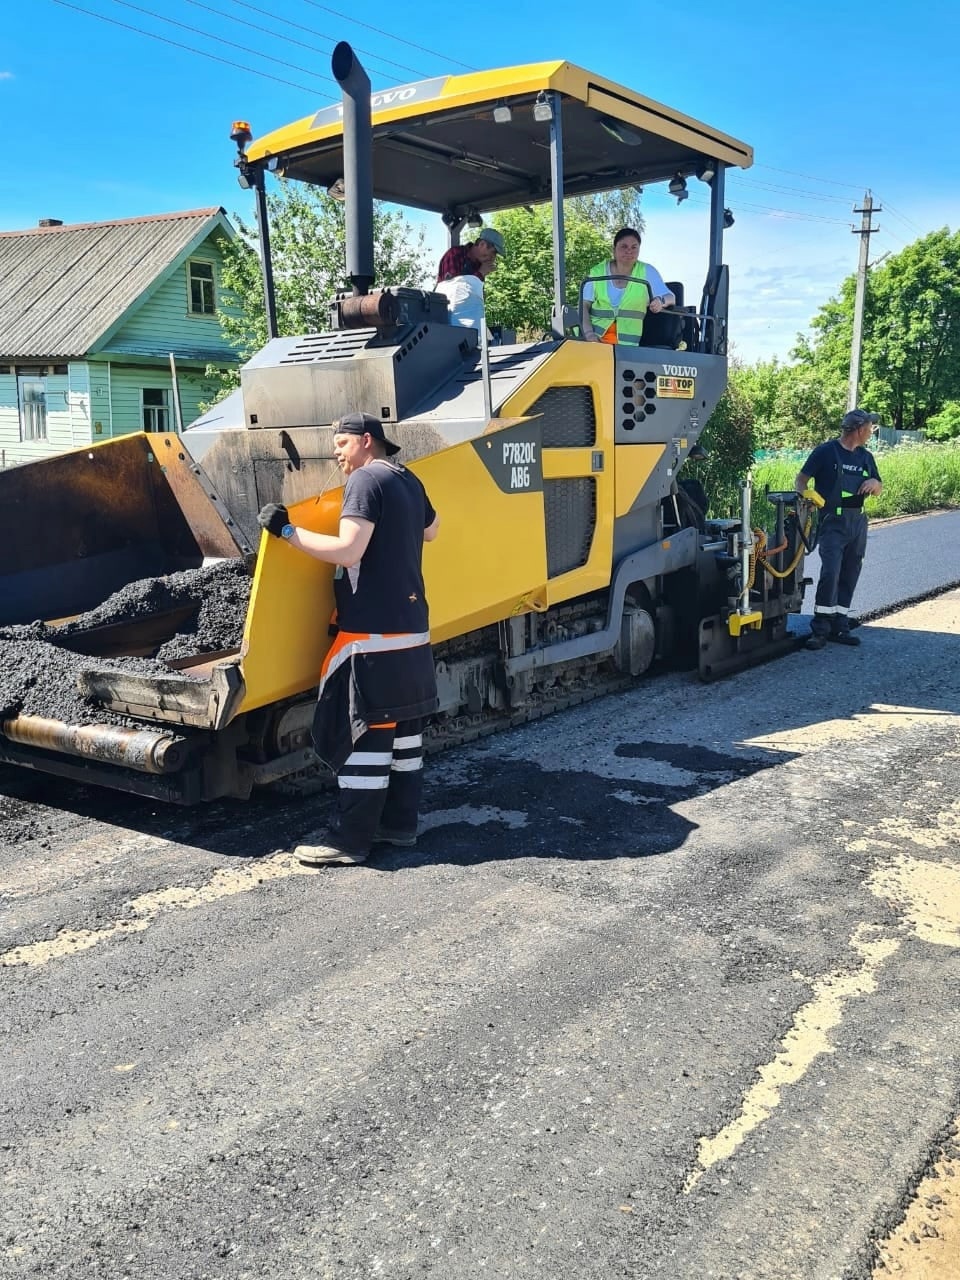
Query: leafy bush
pixel 729 439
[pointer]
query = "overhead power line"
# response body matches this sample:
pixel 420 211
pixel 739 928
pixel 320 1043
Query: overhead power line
pixel 830 182
pixel 176 44
pixel 814 196
pixel 298 26
pixel 254 26
pixel 390 36
pixel 885 231
pixel 792 191
pixel 901 218
pixel 740 205
pixel 789 213
pixel 208 35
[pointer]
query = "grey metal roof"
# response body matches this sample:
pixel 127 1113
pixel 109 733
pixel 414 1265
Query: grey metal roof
pixel 61 288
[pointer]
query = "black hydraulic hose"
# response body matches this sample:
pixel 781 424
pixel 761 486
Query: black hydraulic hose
pixel 809 542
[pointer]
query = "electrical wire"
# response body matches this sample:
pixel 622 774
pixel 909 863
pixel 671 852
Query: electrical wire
pixel 831 182
pixel 176 44
pixel 888 208
pixel 790 213
pixel 794 191
pixel 750 207
pixel 255 26
pixel 312 31
pixel 400 40
pixel 885 231
pixel 198 31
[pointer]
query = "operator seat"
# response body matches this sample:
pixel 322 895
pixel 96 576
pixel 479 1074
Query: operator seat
pixel 690 325
pixel 668 328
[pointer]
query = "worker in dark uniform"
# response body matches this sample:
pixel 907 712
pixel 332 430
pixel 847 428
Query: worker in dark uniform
pixel 844 473
pixel 378 680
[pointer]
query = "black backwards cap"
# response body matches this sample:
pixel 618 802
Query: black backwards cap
pixel 362 424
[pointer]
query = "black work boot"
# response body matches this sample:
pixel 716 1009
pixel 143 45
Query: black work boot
pixel 402 839
pixel 815 642
pixel 844 637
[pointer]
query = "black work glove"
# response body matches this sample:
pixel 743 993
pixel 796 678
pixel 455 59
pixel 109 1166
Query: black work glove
pixel 273 517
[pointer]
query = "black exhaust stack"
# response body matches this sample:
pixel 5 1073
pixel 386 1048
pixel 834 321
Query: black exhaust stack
pixel 357 165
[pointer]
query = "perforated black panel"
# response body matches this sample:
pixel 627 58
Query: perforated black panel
pixel 568 419
pixel 570 508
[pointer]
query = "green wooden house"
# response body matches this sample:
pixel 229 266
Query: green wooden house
pixel 90 315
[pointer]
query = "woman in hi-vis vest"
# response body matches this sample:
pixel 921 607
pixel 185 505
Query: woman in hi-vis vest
pixel 614 309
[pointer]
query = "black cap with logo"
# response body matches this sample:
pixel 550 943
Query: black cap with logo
pixel 857 418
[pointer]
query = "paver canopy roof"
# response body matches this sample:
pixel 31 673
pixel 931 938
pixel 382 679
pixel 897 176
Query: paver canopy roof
pixel 438 146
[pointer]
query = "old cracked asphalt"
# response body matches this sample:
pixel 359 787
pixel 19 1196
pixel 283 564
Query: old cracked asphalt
pixel 668 989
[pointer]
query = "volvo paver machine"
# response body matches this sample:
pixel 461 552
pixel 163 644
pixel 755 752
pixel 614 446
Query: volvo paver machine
pixel 571 555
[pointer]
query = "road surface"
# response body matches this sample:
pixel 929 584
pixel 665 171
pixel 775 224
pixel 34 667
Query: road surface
pixel 907 559
pixel 668 989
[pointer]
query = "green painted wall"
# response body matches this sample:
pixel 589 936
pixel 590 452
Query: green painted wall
pixel 9 420
pixel 93 402
pixel 100 416
pixel 68 421
pixel 128 382
pixel 165 323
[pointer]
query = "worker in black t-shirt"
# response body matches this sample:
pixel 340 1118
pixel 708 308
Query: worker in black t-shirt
pixel 844 473
pixel 378 679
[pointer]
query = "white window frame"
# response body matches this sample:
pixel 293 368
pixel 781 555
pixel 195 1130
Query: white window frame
pixel 157 414
pixel 204 282
pixel 32 432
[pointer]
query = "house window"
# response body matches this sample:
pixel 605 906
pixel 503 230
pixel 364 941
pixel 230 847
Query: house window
pixel 202 296
pixel 155 409
pixel 33 407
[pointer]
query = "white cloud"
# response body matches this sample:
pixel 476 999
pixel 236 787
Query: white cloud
pixel 6 75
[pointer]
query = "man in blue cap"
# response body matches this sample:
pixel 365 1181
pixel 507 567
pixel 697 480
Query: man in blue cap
pixel 844 473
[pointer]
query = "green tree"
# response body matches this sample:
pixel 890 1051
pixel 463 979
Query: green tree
pixel 608 211
pixel 911 360
pixel 828 349
pixel 759 384
pixel 308 248
pixel 910 364
pixel 808 407
pixel 794 406
pixel 944 425
pixel 519 294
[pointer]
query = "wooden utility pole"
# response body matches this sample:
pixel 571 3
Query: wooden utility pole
pixel 865 231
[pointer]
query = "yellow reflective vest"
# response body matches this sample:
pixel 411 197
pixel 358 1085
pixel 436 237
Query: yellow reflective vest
pixel 630 313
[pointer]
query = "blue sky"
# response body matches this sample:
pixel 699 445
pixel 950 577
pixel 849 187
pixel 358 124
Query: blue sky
pixel 102 121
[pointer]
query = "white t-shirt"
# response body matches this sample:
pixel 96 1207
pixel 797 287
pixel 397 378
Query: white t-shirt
pixel 465 297
pixel 653 279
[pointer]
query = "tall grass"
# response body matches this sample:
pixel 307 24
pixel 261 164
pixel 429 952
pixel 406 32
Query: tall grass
pixel 916 477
